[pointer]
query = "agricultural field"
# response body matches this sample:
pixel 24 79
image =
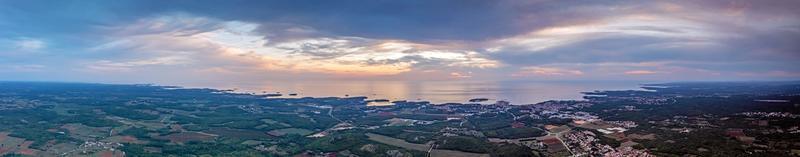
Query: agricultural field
pixel 144 120
pixel 287 131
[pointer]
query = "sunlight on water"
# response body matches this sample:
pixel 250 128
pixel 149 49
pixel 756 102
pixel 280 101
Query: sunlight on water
pixel 517 92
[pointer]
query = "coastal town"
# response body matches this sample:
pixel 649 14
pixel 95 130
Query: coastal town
pixel 159 120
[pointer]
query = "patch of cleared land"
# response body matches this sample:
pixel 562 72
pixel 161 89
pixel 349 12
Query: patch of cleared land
pixel 398 142
pixel 124 139
pixel 642 137
pixel 87 133
pixel 109 153
pixel 420 147
pixel 58 149
pixel 13 145
pixel 400 122
pixel 237 133
pixel 449 153
pixel 149 124
pixel 270 122
pixel 188 136
pixel 281 132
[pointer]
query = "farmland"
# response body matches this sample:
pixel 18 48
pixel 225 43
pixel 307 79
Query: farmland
pixel 144 120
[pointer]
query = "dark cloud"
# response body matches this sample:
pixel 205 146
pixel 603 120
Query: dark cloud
pixel 412 20
pixel 607 49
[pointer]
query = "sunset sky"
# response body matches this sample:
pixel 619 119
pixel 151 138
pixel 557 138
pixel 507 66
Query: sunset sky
pixel 176 41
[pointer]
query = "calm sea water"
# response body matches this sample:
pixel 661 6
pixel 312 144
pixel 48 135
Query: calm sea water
pixel 517 92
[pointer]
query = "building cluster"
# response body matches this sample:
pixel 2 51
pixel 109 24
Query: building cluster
pixel 558 110
pixel 686 124
pixel 623 108
pixel 256 109
pixel 92 146
pixel 770 114
pixel 647 100
pixel 584 116
pixel 272 149
pixel 552 106
pixel 624 124
pixel 627 152
pixel 585 143
pixel 16 104
pixel 102 145
pixel 450 131
pixel 141 101
pixel 612 130
pixel 407 122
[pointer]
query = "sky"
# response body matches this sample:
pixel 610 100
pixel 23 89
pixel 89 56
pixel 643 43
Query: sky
pixel 181 41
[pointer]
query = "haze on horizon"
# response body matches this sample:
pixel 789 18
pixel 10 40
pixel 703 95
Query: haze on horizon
pixel 190 42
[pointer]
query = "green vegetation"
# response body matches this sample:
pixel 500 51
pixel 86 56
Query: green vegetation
pixel 338 142
pixel 192 148
pixel 137 132
pixel 513 150
pixel 127 113
pixel 512 133
pixel 463 143
pixel 411 136
pixel 491 121
pixel 165 121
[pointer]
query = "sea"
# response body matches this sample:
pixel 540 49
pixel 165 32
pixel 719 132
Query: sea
pixel 517 92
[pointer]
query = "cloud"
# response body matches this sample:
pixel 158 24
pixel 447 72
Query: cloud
pixel 107 65
pixel 676 30
pixel 408 39
pixel 640 72
pixel 29 44
pixel 680 34
pixel 22 68
pixel 211 43
pixel 460 75
pixel 546 71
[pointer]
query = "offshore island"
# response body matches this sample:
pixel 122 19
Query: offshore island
pixel 670 119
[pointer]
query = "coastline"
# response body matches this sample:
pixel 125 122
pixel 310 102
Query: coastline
pixel 436 92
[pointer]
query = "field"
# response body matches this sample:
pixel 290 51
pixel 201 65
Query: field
pixel 400 122
pixel 420 147
pixel 197 122
pixel 83 132
pixel 57 149
pixel 397 142
pixel 108 153
pixel 448 153
pixel 188 136
pixel 13 145
pixel 124 139
pixel 281 132
pixel 270 121
pixel 237 133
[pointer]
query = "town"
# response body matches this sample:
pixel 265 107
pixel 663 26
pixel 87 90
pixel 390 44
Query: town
pixel 62 119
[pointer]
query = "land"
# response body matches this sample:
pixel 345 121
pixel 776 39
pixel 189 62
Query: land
pixel 671 119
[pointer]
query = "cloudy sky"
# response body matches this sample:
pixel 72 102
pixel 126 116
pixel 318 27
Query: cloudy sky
pixel 177 41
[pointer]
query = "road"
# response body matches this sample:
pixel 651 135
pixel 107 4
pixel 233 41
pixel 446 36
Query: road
pixel 558 136
pixel 330 113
